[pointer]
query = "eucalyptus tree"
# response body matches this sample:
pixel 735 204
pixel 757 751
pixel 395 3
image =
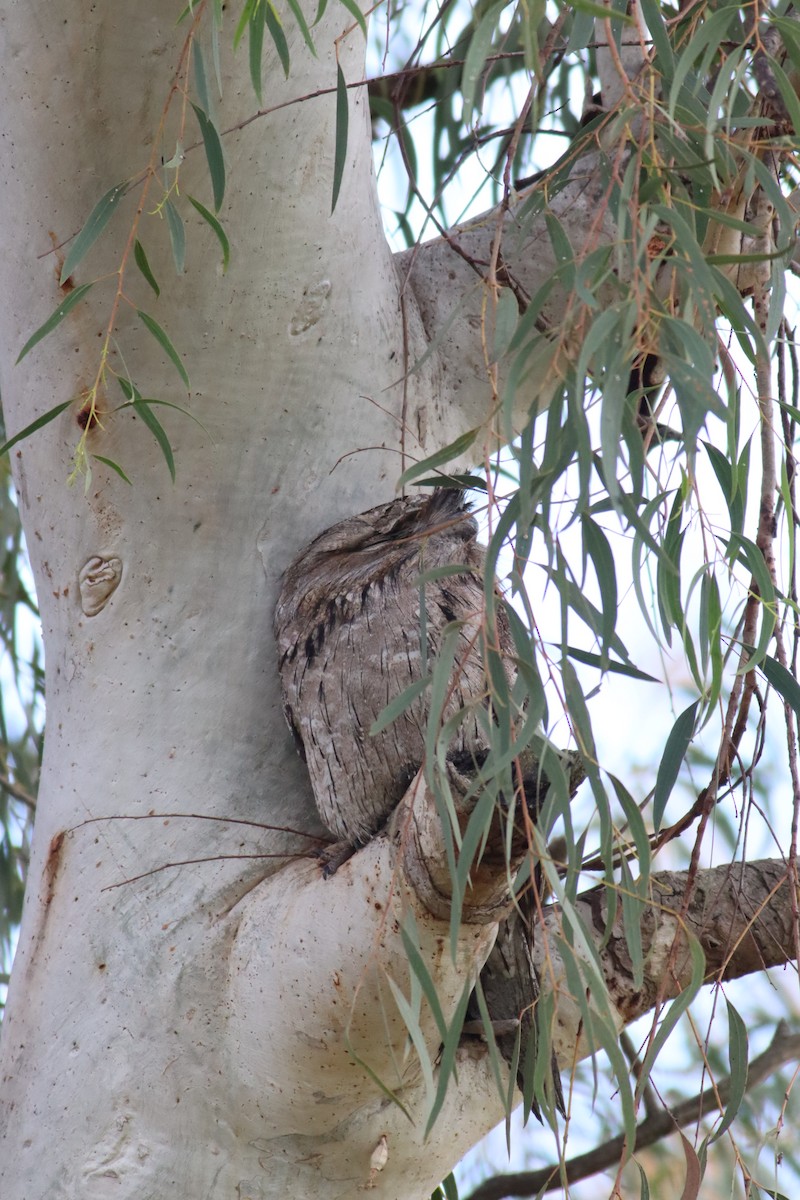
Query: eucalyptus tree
pixel 211 354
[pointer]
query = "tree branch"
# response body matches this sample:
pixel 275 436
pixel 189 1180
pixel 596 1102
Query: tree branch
pixel 740 913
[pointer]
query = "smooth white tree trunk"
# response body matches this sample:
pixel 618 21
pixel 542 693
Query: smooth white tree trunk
pixel 184 1032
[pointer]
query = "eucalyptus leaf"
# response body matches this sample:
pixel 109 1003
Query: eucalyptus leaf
pixel 140 259
pixel 255 47
pixel 177 236
pixel 342 121
pixel 143 410
pixel 219 232
pixel 70 301
pixel 39 423
pixel 475 59
pixel 454 450
pixel 163 340
pixel 672 760
pixel 297 12
pixel 199 72
pixel 214 156
pixel 273 23
pixel 109 462
pixel 97 220
pixel 738 1055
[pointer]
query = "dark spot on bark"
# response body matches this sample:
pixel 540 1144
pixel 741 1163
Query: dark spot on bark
pixel 86 418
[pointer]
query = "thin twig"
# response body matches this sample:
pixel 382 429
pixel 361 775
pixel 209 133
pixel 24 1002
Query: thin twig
pixel 17 792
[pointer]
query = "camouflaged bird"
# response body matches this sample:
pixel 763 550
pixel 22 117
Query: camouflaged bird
pixel 348 628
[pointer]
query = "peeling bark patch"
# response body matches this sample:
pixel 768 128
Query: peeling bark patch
pixel 310 308
pixel 87 417
pixel 52 865
pixel 98 580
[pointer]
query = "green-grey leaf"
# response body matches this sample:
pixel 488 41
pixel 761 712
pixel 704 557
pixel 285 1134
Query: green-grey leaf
pixel 450 1187
pixel 177 236
pixel 417 965
pixel 161 337
pixel 248 8
pixel 45 419
pixel 644 1189
pixel 632 912
pixel 472 482
pixel 185 412
pixel 562 247
pixel 55 318
pixel 218 230
pixel 783 681
pixel 144 266
pixel 273 23
pixel 454 450
pixel 607 665
pixel 215 58
pixel 176 161
pixel 303 24
pixel 505 321
pixel 376 1079
pixel 109 462
pixel 128 389
pixel 475 59
pixel 754 558
pixel 200 83
pixel 597 547
pixel 495 1062
pixel 447 1058
pixel 398 705
pixel 157 429
pixel 658 30
pixel 98 219
pixel 412 1024
pixel 213 149
pixel 728 479
pixel 674 753
pixel 342 120
pixel 584 982
pixel 739 1060
pixel 256 46
pixel 600 10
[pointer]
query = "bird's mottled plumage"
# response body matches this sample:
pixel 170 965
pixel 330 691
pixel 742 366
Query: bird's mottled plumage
pixel 348 629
